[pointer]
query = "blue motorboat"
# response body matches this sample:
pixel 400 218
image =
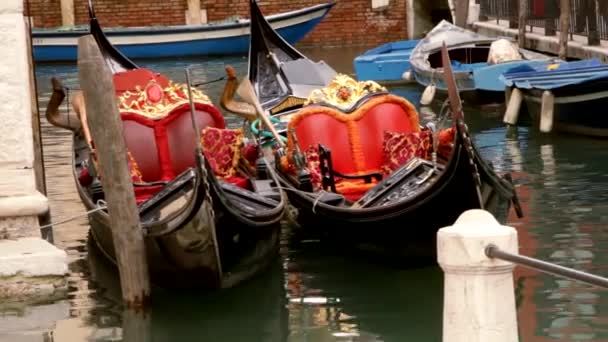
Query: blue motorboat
pixel 385 63
pixel 564 96
pixel 54 45
pixel 469 53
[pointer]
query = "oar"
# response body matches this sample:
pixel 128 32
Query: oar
pixel 247 93
pixel 458 115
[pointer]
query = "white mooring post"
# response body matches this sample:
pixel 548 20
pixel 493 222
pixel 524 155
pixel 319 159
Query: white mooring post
pixel 479 298
pixel 30 267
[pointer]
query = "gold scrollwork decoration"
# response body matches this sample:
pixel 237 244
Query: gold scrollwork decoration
pixel 155 102
pixel 343 92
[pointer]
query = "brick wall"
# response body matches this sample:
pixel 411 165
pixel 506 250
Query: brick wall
pixel 349 23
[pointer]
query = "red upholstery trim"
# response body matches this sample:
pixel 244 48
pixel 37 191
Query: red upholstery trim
pixel 160 133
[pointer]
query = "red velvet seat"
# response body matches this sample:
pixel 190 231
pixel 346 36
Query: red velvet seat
pixel 157 125
pixel 354 139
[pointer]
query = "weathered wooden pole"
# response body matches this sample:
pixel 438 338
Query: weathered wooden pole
pixel 592 14
pixel 564 22
pixel 550 16
pixel 106 128
pixel 521 37
pixel 136 326
pixel 461 12
pixel 513 13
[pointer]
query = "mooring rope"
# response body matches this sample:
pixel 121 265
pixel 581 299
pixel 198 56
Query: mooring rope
pixel 209 82
pixel 101 205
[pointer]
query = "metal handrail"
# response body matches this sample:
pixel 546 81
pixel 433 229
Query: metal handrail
pixel 507 10
pixel 492 251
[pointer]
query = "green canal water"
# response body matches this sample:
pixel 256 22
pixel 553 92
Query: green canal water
pixel 315 295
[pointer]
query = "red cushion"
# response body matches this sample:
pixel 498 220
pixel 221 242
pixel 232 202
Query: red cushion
pixel 313 165
pixel 399 148
pixel 382 117
pixel 222 149
pixel 446 142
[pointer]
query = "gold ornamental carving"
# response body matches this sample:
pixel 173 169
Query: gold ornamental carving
pixel 343 92
pixel 155 102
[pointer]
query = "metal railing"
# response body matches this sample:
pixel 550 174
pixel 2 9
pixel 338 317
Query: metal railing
pixel 588 17
pixel 492 251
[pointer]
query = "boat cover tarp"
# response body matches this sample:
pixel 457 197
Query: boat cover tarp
pixel 446 32
pixel 549 76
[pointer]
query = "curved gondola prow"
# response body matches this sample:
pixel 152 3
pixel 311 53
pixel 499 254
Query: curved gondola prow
pixel 229 103
pixel 115 60
pixel 70 120
pixel 261 35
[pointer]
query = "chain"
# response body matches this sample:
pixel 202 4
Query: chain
pixel 468 146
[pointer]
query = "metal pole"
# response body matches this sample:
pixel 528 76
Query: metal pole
pixel 492 251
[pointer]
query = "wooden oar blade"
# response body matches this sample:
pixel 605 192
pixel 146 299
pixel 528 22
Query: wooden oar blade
pixel 247 93
pixel 450 81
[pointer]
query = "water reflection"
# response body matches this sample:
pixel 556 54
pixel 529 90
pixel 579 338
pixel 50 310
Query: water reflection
pixel 319 295
pixel 344 298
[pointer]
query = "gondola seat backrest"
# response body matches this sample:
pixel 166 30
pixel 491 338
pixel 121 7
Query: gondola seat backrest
pixel 355 139
pixel 157 125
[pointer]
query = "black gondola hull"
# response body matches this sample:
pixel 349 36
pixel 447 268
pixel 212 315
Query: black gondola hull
pixel 407 229
pixel 182 251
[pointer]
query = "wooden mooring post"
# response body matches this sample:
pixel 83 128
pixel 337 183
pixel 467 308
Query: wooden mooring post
pixel 521 36
pixel 106 128
pixel 564 22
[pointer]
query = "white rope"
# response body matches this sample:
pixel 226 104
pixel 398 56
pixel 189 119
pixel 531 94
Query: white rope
pixel 101 205
pixel 306 193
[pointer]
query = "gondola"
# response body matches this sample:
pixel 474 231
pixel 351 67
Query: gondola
pixel 210 220
pixel 362 171
pixel 281 75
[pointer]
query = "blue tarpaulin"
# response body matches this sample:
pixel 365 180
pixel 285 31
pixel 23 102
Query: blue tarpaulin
pixel 555 75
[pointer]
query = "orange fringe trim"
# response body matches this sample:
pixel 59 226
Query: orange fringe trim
pixel 355 145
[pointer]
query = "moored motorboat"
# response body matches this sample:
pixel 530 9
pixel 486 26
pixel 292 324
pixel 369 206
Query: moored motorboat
pixel 230 37
pixel 209 219
pixel 469 55
pixel 387 63
pixel 361 169
pixel 561 97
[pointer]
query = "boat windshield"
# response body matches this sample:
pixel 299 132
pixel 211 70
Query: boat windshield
pixel 304 76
